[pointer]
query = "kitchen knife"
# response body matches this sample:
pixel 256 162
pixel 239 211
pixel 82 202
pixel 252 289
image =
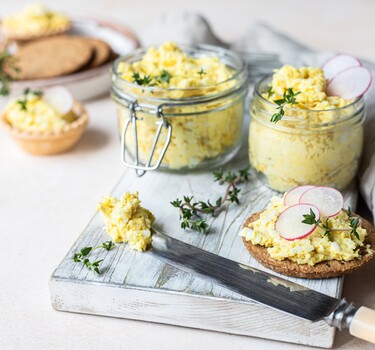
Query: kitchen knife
pixel 265 288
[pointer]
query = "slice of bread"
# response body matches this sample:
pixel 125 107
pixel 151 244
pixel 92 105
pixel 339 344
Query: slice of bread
pixel 324 269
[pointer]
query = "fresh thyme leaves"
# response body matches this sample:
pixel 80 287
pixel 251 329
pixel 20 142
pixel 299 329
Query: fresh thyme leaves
pixel 201 72
pixel 81 256
pixel 5 77
pixel 165 76
pixel 354 223
pixel 190 212
pixel 289 98
pixel 147 80
pixel 310 219
pixel 22 102
pixel 270 91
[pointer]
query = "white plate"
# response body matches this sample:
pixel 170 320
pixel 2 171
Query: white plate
pixel 94 82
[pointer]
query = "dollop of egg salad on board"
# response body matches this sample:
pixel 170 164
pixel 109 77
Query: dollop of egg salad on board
pixel 308 225
pixel 127 221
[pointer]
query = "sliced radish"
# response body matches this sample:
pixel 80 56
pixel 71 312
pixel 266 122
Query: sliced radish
pixel 339 63
pixel 59 98
pixel 328 200
pixel 292 197
pixel 289 224
pixel 350 83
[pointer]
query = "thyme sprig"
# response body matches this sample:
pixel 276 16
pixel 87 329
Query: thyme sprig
pixel 289 98
pixel 147 80
pixel 81 256
pixel 22 102
pixel 201 72
pixel 190 211
pixel 310 219
pixel 5 77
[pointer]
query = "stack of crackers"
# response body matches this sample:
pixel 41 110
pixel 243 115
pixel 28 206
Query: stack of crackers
pixel 59 55
pixel 50 52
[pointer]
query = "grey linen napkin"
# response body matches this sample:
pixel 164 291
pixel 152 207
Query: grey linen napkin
pixel 192 28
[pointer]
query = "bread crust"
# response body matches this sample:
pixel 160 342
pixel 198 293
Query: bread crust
pixel 324 269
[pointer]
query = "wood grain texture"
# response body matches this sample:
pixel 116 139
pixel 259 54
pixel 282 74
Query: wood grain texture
pixel 138 286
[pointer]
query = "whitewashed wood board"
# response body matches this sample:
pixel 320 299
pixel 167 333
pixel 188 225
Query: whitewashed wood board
pixel 138 286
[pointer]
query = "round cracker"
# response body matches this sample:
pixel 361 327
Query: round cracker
pixel 324 269
pixel 102 51
pixel 51 57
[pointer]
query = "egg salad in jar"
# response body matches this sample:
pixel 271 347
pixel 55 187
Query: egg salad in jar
pixel 201 94
pixel 316 139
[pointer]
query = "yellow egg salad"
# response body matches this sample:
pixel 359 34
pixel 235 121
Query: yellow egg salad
pixel 201 131
pixel 318 141
pixel 126 221
pixel 170 67
pixel 312 249
pixel 36 20
pixel 32 114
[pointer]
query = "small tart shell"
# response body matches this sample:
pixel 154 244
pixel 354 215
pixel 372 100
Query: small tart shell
pixel 47 143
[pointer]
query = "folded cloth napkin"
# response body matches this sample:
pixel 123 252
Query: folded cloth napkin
pixel 192 28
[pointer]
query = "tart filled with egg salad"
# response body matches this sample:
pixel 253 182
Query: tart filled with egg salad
pixel 202 99
pixel 33 22
pixel 317 123
pixel 46 121
pixel 318 240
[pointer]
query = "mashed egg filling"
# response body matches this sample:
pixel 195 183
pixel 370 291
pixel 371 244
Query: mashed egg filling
pixel 33 114
pixel 35 19
pixel 126 221
pixel 311 84
pixel 312 249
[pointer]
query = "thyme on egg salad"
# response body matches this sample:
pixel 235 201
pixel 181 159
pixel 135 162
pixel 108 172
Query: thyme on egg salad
pixel 310 219
pixel 289 98
pixel 147 80
pixel 22 102
pixel 190 212
pixel 5 77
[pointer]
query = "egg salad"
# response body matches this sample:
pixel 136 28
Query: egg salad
pixel 200 131
pixel 126 221
pixel 170 67
pixel 35 19
pixel 32 114
pixel 311 84
pixel 315 248
pixel 319 139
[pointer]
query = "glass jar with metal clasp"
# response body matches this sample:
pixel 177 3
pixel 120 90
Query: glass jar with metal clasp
pixel 180 129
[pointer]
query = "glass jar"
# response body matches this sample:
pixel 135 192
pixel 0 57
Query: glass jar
pixel 301 149
pixel 181 129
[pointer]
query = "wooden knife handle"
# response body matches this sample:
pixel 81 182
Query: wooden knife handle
pixel 363 324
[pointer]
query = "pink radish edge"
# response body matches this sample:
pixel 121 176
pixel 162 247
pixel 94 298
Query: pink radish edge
pixel 305 235
pixel 332 188
pixel 367 88
pixel 341 54
pixel 293 189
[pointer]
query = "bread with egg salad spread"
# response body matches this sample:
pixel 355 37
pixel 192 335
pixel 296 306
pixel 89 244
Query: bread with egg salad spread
pixel 308 234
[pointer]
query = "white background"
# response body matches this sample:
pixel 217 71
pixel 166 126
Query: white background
pixel 45 202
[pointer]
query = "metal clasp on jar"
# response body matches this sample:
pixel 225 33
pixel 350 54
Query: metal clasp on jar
pixel 161 123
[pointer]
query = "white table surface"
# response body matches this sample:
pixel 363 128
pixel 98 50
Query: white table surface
pixel 45 202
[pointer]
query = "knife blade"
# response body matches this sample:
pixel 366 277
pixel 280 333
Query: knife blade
pixel 264 288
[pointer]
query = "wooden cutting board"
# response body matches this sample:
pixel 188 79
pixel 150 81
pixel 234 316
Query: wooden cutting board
pixel 138 286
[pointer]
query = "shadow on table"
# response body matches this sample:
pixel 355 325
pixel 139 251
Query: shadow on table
pixel 92 139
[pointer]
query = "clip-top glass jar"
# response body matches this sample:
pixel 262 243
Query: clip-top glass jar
pixel 180 129
pixel 300 149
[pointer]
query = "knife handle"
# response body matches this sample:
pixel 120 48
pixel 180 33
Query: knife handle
pixel 363 324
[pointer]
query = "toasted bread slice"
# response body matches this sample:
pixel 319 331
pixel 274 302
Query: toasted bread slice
pixel 324 269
